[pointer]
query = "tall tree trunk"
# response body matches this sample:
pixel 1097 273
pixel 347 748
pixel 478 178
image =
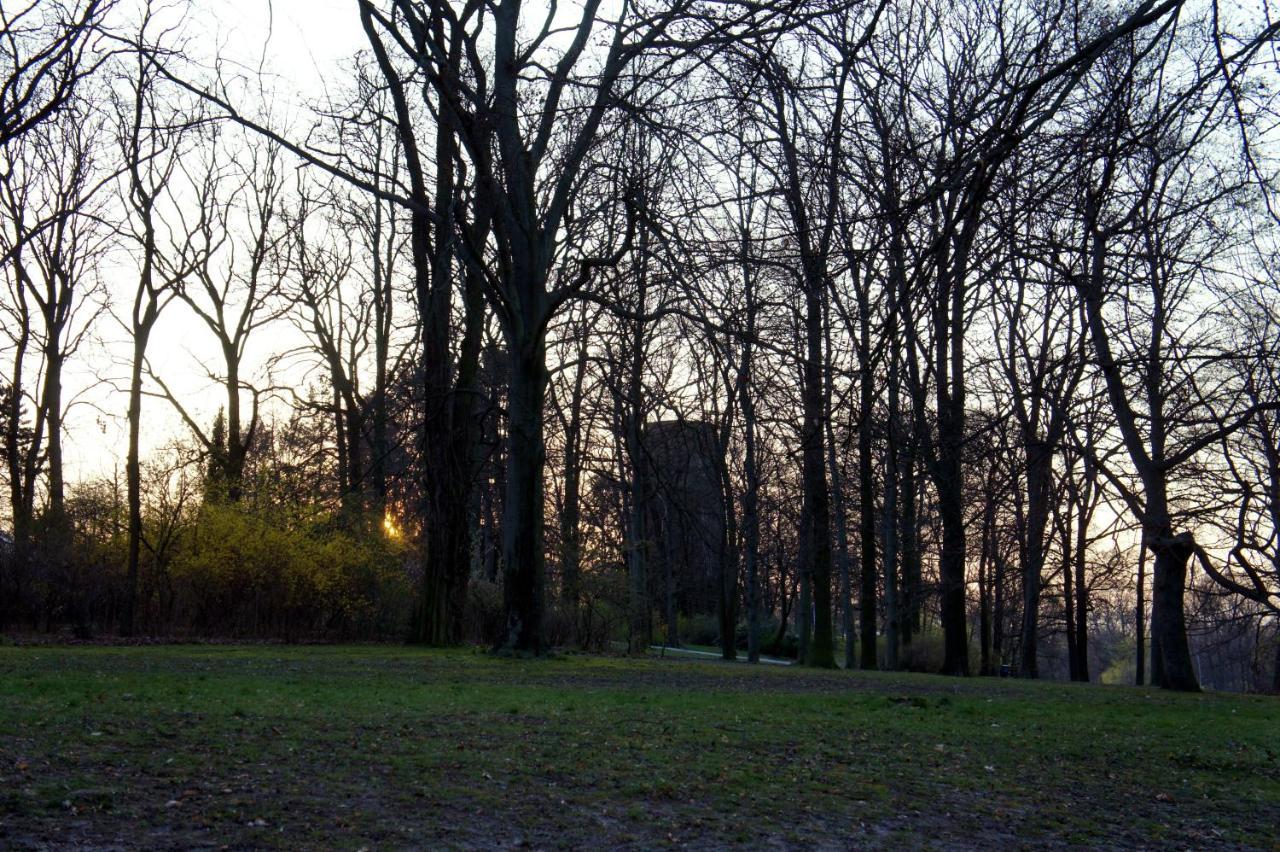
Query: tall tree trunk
pixel 949 483
pixel 784 610
pixel 1140 618
pixel 1064 524
pixel 669 591
pixel 237 451
pixel 1068 595
pixel 984 590
pixel 840 512
pixel 955 636
pixel 727 604
pixel 910 538
pixel 751 491
pixel 1170 652
pixel 998 615
pixel 803 612
pixel 815 512
pixel 464 436
pixel 751 517
pixel 640 630
pixel 866 487
pixel 897 631
pixel 571 511
pixel 133 474
pixel 841 517
pixel 1275 670
pixel 353 431
pixel 1081 672
pixel 1169 631
pixel 1039 473
pixel 889 526
pixel 522 534
pixel 949 331
pixel 52 401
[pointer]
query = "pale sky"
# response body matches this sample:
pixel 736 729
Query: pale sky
pixel 304 43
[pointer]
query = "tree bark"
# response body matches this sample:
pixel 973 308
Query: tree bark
pixel 133 477
pixel 815 509
pixel 1140 618
pixel 912 623
pixel 1169 632
pixel 1081 672
pixel 522 533
pixel 866 489
pixel 1039 471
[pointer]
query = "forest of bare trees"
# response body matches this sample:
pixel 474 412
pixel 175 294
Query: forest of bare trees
pixel 939 335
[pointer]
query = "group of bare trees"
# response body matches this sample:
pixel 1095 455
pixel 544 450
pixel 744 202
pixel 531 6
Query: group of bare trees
pixel 849 324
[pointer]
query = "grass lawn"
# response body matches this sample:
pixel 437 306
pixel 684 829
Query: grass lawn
pixel 391 747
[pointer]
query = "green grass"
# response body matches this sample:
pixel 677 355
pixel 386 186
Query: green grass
pixel 394 747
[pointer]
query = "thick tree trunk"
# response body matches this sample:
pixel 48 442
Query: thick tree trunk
pixel 1169 629
pixel 845 572
pixel 638 580
pixel 804 612
pixel 1039 471
pixel 815 511
pixel 910 539
pixel 639 631
pixel 571 511
pixel 951 568
pixel 727 607
pixel 889 532
pixel 672 615
pixel 1275 670
pixel 464 436
pixel 53 447
pixel 353 433
pixel 784 611
pixel 1069 607
pixel 1081 644
pixel 522 534
pixel 997 616
pixel 949 482
pixel 1170 652
pixel 840 514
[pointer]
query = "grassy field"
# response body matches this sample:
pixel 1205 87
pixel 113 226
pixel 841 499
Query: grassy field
pixel 386 747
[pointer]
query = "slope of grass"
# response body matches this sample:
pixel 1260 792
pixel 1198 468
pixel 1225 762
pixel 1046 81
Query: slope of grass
pixel 394 747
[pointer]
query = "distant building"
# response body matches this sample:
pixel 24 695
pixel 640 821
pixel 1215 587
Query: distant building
pixel 685 516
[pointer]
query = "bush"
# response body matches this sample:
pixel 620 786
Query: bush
pixel 766 632
pixel 249 574
pixel 699 629
pixel 925 653
pixel 485 612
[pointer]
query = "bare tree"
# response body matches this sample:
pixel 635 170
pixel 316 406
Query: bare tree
pixel 49 47
pixel 234 287
pixel 151 135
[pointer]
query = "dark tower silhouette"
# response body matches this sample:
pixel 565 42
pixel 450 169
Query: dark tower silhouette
pixel 685 517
